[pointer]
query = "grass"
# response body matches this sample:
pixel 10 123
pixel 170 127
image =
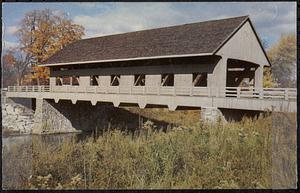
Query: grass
pixel 254 153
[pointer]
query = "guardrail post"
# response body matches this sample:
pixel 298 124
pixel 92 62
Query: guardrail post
pixel 208 90
pixel 222 92
pixel 261 93
pixel 286 94
pixel 238 92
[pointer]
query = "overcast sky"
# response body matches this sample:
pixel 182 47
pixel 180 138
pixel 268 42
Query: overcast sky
pixel 270 19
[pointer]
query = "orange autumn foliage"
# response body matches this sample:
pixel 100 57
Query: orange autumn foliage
pixel 42 33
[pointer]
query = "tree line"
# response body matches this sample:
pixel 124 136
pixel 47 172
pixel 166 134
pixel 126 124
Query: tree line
pixel 43 32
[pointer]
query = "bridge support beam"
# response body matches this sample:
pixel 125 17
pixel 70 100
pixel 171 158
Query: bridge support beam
pixel 259 77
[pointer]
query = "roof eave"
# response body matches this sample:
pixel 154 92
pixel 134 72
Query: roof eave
pixel 260 43
pixel 125 59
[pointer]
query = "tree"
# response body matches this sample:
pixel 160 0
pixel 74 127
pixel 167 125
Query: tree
pixel 8 61
pixel 283 59
pixel 15 66
pixel 42 33
pixel 268 80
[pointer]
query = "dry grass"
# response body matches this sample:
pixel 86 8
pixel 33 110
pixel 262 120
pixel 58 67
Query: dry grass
pixel 185 118
pixel 235 155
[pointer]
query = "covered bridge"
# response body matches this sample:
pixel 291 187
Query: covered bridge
pixel 213 65
pixel 217 53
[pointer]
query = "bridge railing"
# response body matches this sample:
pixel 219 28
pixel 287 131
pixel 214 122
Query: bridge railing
pixel 263 93
pixel 236 92
pixel 44 88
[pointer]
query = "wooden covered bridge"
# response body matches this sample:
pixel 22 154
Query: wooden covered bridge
pixel 211 65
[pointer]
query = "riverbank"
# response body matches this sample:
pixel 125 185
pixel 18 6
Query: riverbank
pixel 249 154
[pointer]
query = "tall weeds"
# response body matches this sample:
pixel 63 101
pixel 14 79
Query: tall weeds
pixel 234 155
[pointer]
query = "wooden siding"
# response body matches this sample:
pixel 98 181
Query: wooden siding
pixel 244 46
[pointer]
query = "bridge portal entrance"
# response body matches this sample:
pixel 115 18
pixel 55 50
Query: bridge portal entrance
pixel 240 73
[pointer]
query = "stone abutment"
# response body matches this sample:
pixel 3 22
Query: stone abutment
pixel 214 114
pixel 64 116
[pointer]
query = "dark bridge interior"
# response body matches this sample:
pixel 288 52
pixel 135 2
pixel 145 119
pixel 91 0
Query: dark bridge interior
pixel 240 73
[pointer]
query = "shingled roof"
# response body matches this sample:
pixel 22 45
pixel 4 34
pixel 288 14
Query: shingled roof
pixel 188 39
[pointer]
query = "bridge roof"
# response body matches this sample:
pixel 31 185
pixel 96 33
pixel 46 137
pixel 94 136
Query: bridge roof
pixel 194 39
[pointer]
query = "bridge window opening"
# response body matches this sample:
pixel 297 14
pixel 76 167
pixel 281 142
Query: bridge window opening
pixel 240 73
pixel 58 81
pixel 139 79
pixel 66 80
pixel 200 79
pixel 240 77
pixel 167 80
pixel 94 80
pixel 115 80
pixel 75 80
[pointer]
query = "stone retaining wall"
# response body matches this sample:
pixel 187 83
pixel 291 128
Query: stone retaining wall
pixel 17 118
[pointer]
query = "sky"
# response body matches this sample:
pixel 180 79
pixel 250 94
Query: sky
pixel 270 19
